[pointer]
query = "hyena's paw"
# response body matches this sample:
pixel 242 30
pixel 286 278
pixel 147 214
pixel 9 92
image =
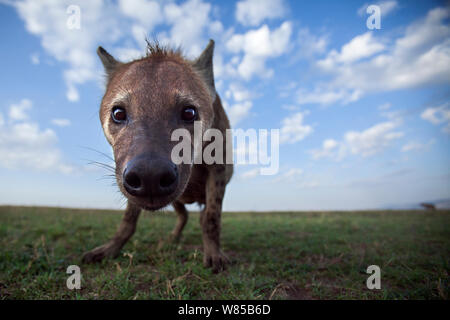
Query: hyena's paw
pixel 100 253
pixel 218 261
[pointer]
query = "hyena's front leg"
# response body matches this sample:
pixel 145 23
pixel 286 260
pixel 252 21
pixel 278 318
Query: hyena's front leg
pixel 182 218
pixel 113 246
pixel 210 219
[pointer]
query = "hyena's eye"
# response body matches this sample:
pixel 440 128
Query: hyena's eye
pixel 119 115
pixel 189 114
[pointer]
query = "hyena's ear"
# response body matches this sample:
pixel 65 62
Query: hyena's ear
pixel 109 63
pixel 204 65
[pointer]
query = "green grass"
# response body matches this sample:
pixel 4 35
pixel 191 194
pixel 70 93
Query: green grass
pixel 276 255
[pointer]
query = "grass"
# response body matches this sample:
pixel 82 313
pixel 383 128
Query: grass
pixel 276 255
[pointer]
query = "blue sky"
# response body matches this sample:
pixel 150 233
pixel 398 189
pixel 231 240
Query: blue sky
pixel 364 115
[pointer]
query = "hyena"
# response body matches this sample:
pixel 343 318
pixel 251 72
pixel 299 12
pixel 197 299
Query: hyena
pixel 145 101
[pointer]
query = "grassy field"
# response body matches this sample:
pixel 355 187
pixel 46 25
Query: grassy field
pixel 275 255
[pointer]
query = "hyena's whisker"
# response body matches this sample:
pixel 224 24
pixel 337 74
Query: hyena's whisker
pixel 102 165
pixel 99 152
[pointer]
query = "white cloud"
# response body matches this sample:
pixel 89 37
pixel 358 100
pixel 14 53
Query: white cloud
pixel 366 64
pixel 362 46
pixel 237 111
pixel 310 45
pixel 189 25
pixel 61 122
pixel 293 129
pixel 373 139
pixel 24 144
pixel 291 175
pixel 438 115
pixel 296 178
pixel 290 107
pixel 18 111
pixel 240 108
pixel 412 145
pixel 293 172
pixel 251 173
pixel 35 59
pixel 47 19
pixel 324 96
pixel 237 92
pixel 328 148
pixel 140 33
pixel 189 22
pixel 385 106
pixel 147 13
pixel 417 146
pixel 105 23
pixel 259 45
pixel 128 54
pixel 262 41
pixel 386 7
pixel 253 12
pixel 363 143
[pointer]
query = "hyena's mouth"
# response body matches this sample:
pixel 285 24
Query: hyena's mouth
pixel 150 204
pixel 150 182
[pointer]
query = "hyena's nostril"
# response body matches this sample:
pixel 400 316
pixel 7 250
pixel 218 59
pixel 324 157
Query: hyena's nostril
pixel 133 180
pixel 168 178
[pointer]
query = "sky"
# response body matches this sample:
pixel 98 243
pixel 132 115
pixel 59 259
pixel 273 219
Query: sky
pixel 363 114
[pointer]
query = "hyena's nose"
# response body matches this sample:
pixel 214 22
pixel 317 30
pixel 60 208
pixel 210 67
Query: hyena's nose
pixel 147 176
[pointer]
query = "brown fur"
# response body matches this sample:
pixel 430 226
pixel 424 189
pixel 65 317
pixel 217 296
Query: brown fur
pixel 153 89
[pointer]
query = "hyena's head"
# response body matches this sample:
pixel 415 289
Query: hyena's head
pixel 144 102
